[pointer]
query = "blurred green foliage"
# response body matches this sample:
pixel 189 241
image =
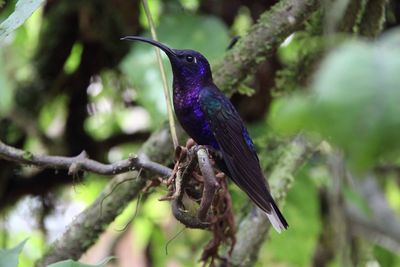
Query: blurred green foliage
pixel 74 59
pixel 393 193
pixel 353 102
pixel 385 257
pixel 242 22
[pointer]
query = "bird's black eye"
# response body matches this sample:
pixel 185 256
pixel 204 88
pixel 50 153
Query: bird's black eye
pixel 189 58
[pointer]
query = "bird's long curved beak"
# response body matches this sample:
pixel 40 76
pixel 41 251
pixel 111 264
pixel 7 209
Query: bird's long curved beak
pixel 162 46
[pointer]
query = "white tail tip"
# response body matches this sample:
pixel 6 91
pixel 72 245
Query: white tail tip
pixel 275 221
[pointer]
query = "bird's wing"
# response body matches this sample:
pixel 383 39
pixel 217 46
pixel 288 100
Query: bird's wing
pixel 236 146
pixel 238 151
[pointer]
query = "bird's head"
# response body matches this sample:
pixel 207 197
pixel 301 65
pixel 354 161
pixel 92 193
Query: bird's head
pixel 188 66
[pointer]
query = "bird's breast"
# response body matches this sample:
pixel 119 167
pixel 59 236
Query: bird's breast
pixel 193 120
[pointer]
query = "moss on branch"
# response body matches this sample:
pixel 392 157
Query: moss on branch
pixel 264 37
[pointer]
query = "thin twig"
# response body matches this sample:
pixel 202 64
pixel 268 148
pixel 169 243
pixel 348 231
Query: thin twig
pixel 163 76
pixel 123 229
pixel 173 238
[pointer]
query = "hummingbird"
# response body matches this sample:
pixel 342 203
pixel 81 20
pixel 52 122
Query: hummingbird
pixel 210 119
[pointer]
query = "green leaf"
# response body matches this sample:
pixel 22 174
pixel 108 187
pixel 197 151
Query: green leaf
pixel 353 103
pixel 71 263
pixel 23 10
pixel 385 257
pixel 74 58
pixel 9 257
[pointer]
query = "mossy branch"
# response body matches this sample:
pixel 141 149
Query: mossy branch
pixel 262 40
pixel 373 19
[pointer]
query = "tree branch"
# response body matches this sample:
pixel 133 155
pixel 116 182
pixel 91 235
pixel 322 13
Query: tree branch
pixel 384 226
pixel 341 239
pixel 83 232
pixel 264 37
pixel 374 18
pixel 81 162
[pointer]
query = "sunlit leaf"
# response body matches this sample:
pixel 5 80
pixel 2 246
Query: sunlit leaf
pixel 71 263
pixel 9 257
pixel 393 194
pixel 354 101
pixel 242 22
pixel 74 58
pixel 23 10
pixel 190 4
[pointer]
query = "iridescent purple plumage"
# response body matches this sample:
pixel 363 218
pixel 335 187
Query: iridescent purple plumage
pixel 193 120
pixel 186 92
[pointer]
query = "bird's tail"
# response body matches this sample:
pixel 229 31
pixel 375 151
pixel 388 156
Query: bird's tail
pixel 261 197
pixel 276 218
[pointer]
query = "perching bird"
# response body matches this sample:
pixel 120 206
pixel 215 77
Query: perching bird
pixel 210 119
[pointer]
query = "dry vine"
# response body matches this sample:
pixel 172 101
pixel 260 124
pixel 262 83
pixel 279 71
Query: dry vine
pixel 193 180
